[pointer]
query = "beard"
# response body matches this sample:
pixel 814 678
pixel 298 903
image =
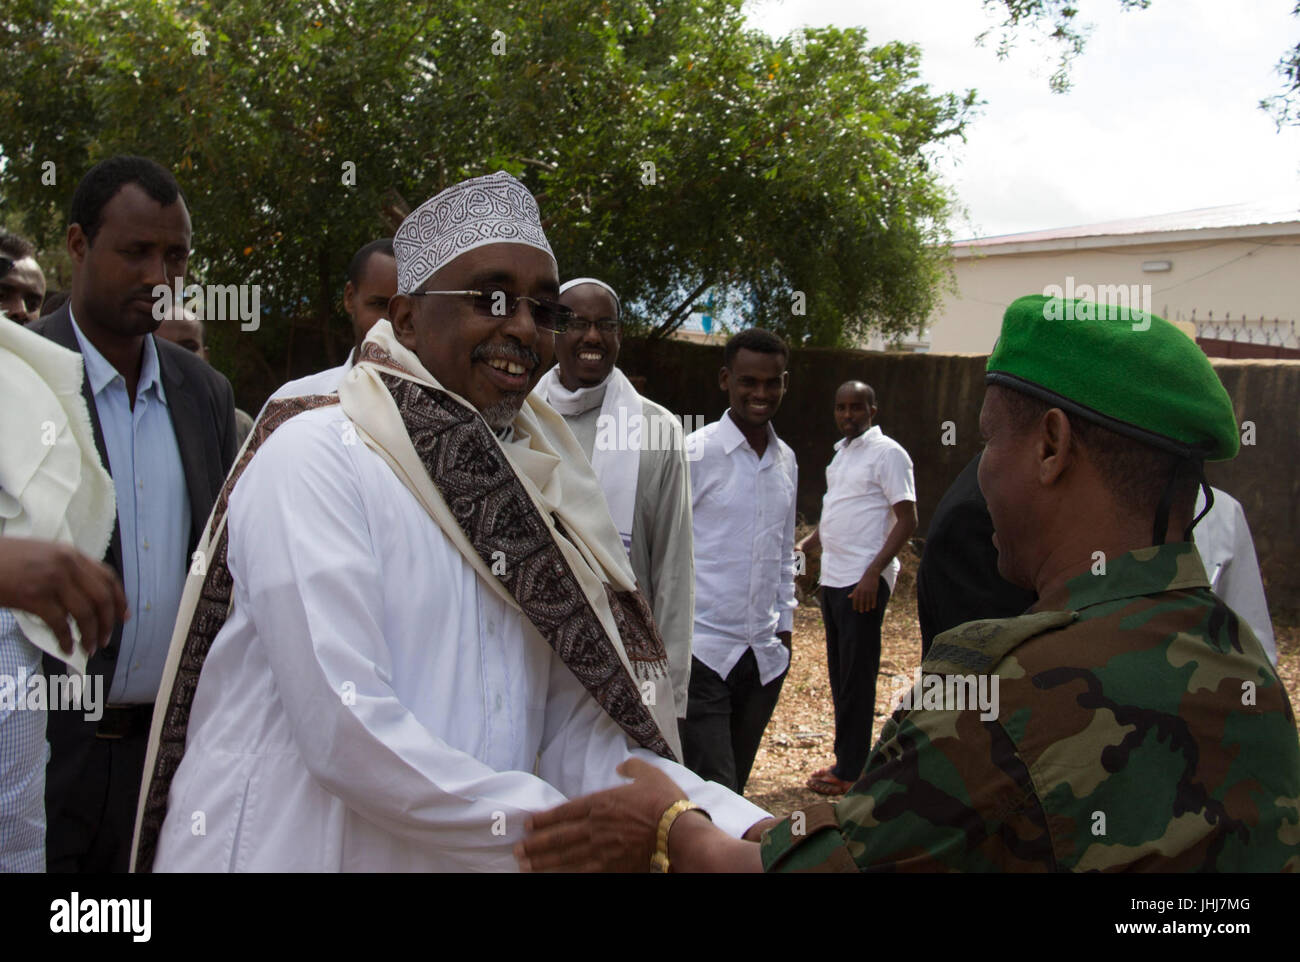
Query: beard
pixel 499 415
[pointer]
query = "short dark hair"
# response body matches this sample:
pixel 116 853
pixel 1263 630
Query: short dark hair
pixel 754 339
pixel 106 178
pixel 15 247
pixel 357 266
pixel 1136 473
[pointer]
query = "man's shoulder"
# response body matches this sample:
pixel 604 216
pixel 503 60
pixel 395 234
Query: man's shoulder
pixel 308 440
pixel 705 445
pixel 983 646
pixel 708 430
pixel 319 382
pixel 663 441
pixel 654 408
pixel 1132 651
pixel 57 326
pixel 1055 637
pixel 311 420
pixel 882 446
pixel 193 368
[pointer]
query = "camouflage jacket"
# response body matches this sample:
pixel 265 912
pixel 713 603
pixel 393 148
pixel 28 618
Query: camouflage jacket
pixel 1137 726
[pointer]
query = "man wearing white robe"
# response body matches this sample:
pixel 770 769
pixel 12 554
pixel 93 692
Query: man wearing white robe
pixel 56 518
pixel 376 700
pixel 1224 543
pixel 637 449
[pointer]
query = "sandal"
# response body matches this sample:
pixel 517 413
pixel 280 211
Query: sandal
pixel 828 784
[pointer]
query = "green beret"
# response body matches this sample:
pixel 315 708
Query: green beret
pixel 1120 367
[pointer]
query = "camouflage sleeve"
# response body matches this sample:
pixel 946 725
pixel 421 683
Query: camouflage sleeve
pixel 941 791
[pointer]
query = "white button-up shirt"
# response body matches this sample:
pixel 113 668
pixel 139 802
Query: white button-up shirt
pixel 743 512
pixel 369 704
pixel 865 479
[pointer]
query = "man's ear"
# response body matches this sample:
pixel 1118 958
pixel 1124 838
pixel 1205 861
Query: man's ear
pixel 77 243
pixel 1055 445
pixel 724 378
pixel 401 309
pixel 349 299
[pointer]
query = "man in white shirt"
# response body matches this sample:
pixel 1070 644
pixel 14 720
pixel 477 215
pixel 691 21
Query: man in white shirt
pixel 636 448
pixel 1224 543
pixel 417 626
pixel 868 514
pixel 743 485
pixel 372 281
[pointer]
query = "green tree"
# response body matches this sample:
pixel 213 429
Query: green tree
pixel 1058 22
pixel 300 130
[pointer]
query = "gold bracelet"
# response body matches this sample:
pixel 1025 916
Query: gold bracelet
pixel 659 861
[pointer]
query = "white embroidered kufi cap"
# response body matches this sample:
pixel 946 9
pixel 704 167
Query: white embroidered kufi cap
pixel 578 281
pixel 496 209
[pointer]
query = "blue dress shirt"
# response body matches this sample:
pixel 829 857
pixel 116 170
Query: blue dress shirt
pixel 153 513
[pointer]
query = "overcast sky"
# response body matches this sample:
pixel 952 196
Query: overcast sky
pixel 1162 115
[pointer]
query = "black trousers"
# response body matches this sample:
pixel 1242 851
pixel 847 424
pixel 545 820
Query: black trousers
pixel 725 720
pixel 91 830
pixel 853 659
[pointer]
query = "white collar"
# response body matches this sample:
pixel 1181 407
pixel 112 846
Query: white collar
pixel 732 437
pixel 870 434
pixel 572 403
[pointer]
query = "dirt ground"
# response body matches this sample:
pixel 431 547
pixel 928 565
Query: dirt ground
pixel 799 737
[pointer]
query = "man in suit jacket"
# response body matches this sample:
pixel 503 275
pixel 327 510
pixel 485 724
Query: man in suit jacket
pixel 164 425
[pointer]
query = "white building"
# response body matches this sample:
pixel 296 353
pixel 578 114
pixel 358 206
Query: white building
pixel 1232 271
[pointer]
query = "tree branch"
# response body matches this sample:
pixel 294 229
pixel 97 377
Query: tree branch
pixel 677 316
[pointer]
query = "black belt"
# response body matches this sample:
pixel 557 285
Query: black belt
pixel 123 721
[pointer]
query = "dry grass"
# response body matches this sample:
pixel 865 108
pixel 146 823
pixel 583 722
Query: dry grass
pixel 799 737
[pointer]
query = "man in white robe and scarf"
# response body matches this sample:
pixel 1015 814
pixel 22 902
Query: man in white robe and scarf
pixel 412 623
pixel 56 518
pixel 637 451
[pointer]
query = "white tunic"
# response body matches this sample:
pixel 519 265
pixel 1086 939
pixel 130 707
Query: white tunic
pixel 369 705
pixel 1226 548
pixel 322 382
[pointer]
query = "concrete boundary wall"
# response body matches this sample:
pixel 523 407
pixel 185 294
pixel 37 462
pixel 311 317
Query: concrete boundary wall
pixel 926 400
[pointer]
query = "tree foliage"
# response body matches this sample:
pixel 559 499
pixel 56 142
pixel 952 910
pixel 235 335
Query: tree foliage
pixel 1285 106
pixel 1057 21
pixel 779 166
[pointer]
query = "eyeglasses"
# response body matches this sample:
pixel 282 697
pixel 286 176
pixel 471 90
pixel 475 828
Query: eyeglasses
pixel 548 315
pixel 581 325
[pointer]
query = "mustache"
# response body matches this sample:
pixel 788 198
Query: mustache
pixel 507 352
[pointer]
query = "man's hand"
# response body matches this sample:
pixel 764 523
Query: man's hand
pixel 864 595
pixel 53 580
pixel 785 637
pixel 810 542
pixel 610 831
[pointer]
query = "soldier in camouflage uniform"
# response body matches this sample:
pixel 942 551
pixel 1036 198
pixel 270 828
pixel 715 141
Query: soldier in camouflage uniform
pixel 1138 725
